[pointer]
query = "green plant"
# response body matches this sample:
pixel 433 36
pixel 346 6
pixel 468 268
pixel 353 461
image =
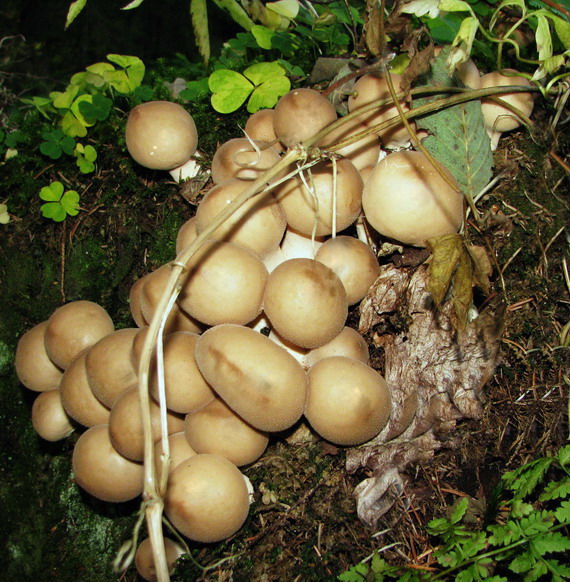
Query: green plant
pixel 550 23
pixel 262 83
pixel 526 542
pixel 59 204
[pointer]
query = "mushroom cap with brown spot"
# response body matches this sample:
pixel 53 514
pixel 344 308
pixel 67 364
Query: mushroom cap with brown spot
pixel 257 378
pixel 306 302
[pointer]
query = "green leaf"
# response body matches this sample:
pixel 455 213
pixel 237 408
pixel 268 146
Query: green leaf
pixel 133 4
pixel 229 90
pixel 457 137
pixel 266 95
pixel 522 562
pixel 52 193
pixel 524 480
pixel 459 510
pixel 195 90
pixel 357 573
pixel 65 99
pixel 77 112
pixel 543 37
pixel 556 490
pixel 564 456
pixel 74 10
pixel 286 8
pixel 263 72
pixel 53 210
pixel 454 6
pixel 97 109
pixel 4 215
pixel 90 153
pixel 238 14
pixel 70 202
pixel 199 15
pixel 562 514
pixel 562 28
pixel 554 541
pixel 444 28
pixel 263 36
pixel 134 69
pixel 71 126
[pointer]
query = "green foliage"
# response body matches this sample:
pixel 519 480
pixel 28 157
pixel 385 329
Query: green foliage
pixel 527 543
pixel 59 204
pixel 263 83
pixel 56 143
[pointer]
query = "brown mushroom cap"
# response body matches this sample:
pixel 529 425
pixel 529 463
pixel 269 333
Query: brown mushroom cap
pixel 497 118
pixel 180 450
pixel 126 425
pixel 161 135
pixel 34 368
pixel 185 387
pixel 49 418
pixel 224 283
pixel 186 235
pixel 152 288
pixel 109 367
pixel 144 558
pixel 78 398
pixel 259 127
pixel 361 153
pixel 258 225
pixel 303 209
pixel 217 429
pixel 354 263
pixel 74 327
pixel 371 88
pixel 135 302
pixel 207 498
pixel 306 302
pixel 405 199
pixel 349 403
pixel 258 379
pixel 102 471
pixel 237 158
pixel 301 114
pixel 348 343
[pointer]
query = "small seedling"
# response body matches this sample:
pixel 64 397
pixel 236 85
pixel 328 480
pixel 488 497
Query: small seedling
pixel 86 156
pixel 59 204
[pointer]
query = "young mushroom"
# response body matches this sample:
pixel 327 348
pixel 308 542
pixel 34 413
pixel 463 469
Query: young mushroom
pixel 407 200
pixel 162 135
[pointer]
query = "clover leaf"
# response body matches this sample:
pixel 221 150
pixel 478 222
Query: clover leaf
pixel 263 83
pixel 4 216
pixel 56 143
pixel 86 156
pixel 58 204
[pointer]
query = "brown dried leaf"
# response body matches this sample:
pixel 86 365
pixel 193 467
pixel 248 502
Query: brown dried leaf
pixel 462 288
pixel 373 29
pixel 446 253
pixel 482 267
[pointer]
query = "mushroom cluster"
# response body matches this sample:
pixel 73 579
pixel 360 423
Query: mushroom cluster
pixel 256 340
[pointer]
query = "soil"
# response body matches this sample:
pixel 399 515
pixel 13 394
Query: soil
pixel 303 523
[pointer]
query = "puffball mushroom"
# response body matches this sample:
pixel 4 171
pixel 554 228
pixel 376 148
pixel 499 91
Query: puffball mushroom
pixel 370 88
pixel 150 294
pixel 186 234
pixel 258 379
pixel 258 225
pixel 207 498
pixel 304 209
pixel 185 387
pixel 126 424
pixel 259 126
pixel 301 114
pixel 238 158
pixel 144 559
pixel 78 398
pixel 347 343
pixel 108 365
pixel 34 368
pixel 162 135
pixel 349 403
pixel 353 261
pixel 49 418
pixel 305 302
pixel 73 327
pixel 102 471
pixel 224 283
pixel 217 429
pixel 180 450
pixel 497 118
pixel 405 199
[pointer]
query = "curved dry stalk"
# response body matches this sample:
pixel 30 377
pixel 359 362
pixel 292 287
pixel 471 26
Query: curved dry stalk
pixel 152 494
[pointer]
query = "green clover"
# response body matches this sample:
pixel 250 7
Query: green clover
pixel 58 204
pixel 86 156
pixel 56 143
